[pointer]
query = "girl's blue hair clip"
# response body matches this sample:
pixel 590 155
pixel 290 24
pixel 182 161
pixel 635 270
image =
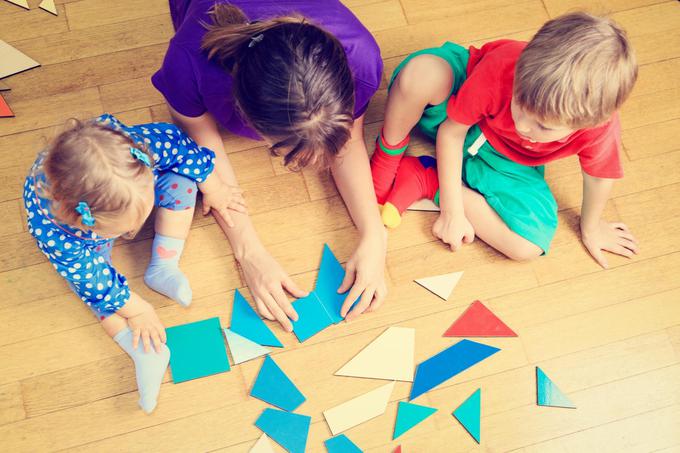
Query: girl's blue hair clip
pixel 140 156
pixel 86 215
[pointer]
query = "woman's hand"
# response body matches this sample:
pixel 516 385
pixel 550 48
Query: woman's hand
pixel 148 326
pixel 222 198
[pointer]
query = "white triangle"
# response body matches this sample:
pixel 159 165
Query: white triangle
pixel 424 205
pixel 389 356
pixel 262 445
pixel 242 349
pixel 22 3
pixel 358 410
pixel 441 285
pixel 48 5
pixel 13 61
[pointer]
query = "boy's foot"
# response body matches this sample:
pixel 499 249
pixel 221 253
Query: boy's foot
pixel 416 179
pixel 163 274
pixel 384 163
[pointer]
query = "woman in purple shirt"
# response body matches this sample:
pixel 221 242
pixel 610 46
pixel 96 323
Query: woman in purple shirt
pixel 298 75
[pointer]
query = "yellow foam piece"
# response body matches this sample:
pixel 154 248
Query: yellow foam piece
pixel 22 3
pixel 390 216
pixel 49 6
pixel 358 410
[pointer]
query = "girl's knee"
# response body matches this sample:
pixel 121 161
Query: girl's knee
pixel 175 192
pixel 426 77
pixel 523 250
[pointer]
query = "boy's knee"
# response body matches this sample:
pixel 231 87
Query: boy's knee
pixel 523 251
pixel 426 77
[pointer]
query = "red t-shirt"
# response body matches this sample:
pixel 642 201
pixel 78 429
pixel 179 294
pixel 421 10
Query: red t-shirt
pixel 484 99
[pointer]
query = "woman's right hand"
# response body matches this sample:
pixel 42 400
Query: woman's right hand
pixel 146 325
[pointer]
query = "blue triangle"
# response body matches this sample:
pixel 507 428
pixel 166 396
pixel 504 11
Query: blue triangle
pixel 286 429
pixel 409 415
pixel 341 444
pixel 245 322
pixel 469 412
pixel 448 363
pixel 274 387
pixel 548 394
pixel 331 274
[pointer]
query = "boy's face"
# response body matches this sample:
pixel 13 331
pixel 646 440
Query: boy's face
pixel 530 128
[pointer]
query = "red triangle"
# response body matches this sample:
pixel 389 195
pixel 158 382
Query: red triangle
pixel 5 111
pixel 478 321
pixel 397 450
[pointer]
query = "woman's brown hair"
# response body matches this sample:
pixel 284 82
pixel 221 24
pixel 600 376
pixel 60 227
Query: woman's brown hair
pixel 292 82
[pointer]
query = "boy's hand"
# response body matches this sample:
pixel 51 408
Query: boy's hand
pixel 612 237
pixel 146 325
pixel 453 230
pixel 222 198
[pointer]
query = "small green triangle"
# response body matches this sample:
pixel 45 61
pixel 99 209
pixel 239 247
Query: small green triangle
pixel 548 394
pixel 409 415
pixel 469 412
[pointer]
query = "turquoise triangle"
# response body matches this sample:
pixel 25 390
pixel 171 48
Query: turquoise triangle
pixel 288 430
pixel 548 394
pixel 341 444
pixel 409 415
pixel 469 412
pixel 245 322
pixel 274 387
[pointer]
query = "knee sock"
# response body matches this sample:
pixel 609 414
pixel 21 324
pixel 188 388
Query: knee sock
pixel 413 182
pixel 163 274
pixel 384 163
pixel 149 368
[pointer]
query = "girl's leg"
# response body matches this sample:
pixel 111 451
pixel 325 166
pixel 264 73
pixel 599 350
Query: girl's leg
pixel 149 366
pixel 425 80
pixel 176 198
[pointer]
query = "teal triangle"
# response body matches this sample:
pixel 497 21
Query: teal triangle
pixel 341 444
pixel 286 429
pixel 245 322
pixel 274 387
pixel 409 415
pixel 548 394
pixel 469 412
pixel 242 349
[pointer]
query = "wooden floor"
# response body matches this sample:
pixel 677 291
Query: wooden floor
pixel 610 339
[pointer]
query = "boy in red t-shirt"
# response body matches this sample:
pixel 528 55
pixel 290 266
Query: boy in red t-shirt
pixel 510 107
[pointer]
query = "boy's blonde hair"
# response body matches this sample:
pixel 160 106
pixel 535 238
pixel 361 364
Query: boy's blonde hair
pixel 92 163
pixel 576 71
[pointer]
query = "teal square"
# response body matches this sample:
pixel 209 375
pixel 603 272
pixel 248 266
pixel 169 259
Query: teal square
pixel 196 350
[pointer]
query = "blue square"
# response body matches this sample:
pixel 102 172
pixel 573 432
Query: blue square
pixel 196 350
pixel 312 317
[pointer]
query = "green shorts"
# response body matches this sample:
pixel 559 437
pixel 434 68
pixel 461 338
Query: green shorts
pixel 518 193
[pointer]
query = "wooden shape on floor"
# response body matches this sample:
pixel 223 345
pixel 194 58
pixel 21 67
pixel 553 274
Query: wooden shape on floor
pixel 390 356
pixel 247 323
pixel 242 349
pixel 424 205
pixel 312 317
pixel 5 111
pixel 12 61
pixel 22 3
pixel 341 444
pixel 469 414
pixel 285 428
pixel 3 86
pixel 358 410
pixel 409 415
pixel 48 5
pixel 441 285
pixel 398 449
pixel 274 387
pixel 548 394
pixel 331 275
pixel 262 445
pixel 478 321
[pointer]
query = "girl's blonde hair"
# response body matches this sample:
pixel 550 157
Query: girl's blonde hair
pixel 576 71
pixel 92 163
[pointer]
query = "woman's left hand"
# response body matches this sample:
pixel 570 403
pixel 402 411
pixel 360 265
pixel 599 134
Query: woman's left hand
pixel 365 275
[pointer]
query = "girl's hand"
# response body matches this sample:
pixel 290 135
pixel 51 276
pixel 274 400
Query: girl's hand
pixel 453 229
pixel 612 237
pixel 222 198
pixel 365 274
pixel 146 325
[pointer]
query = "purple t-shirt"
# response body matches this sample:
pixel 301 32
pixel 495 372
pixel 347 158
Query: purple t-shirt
pixel 192 84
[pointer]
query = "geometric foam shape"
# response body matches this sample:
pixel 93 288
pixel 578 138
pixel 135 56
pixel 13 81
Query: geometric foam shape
pixel 548 394
pixel 468 414
pixel 409 415
pixel 397 450
pixel 245 322
pixel 448 363
pixel 196 350
pixel 341 444
pixel 358 410
pixel 5 111
pixel 286 429
pixel 48 5
pixel 242 349
pixel 312 317
pixel 330 277
pixel 478 321
pixel 13 61
pixel 22 3
pixel 424 205
pixel 262 445
pixel 274 387
pixel 389 356
pixel 441 285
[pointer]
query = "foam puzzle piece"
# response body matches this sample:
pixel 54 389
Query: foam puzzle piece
pixel 358 410
pixel 424 205
pixel 5 111
pixel 245 322
pixel 262 445
pixel 478 321
pixel 242 349
pixel 12 61
pixel 341 444
pixel 448 363
pixel 441 285
pixel 329 279
pixel 389 356
pixel 285 428
pixel 409 415
pixel 22 3
pixel 274 387
pixel 548 394
pixel 398 449
pixel 196 350
pixel 469 414
pixel 48 5
pixel 312 317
